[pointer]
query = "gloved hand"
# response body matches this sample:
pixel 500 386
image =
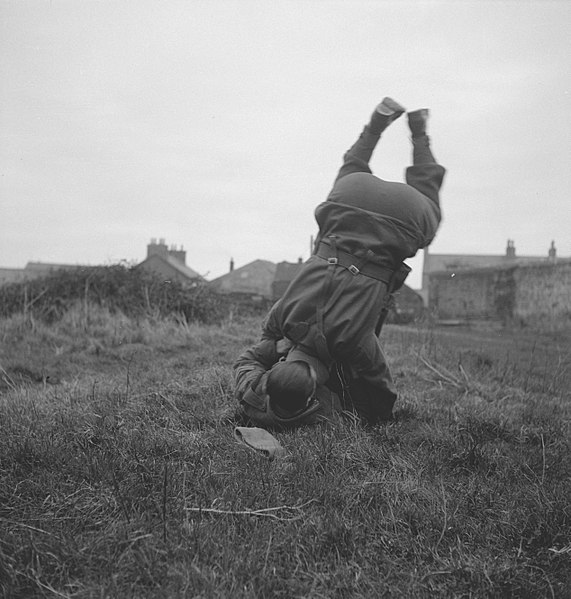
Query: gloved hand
pixel 283 346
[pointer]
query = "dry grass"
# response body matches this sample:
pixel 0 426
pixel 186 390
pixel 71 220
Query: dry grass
pixel 120 477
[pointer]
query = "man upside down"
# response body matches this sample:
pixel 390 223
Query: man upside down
pixel 319 352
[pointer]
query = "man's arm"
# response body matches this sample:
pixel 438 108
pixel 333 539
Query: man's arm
pixel 258 359
pixel 252 364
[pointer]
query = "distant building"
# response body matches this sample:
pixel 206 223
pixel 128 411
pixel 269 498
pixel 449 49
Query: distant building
pixel 408 306
pixel 169 263
pixel 532 293
pixel 285 272
pixel 32 270
pixel 253 280
pixel 166 262
pixel 451 263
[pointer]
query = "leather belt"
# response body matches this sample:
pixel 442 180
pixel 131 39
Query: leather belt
pixel 348 261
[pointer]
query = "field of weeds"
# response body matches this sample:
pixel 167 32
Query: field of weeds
pixel 120 475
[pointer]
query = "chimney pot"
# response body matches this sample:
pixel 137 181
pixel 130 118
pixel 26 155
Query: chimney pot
pixel 552 252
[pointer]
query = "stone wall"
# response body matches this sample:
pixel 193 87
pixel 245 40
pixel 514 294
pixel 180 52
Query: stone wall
pixel 466 295
pixel 543 293
pixel 528 294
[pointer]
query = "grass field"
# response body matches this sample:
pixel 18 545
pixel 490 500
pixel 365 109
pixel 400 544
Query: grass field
pixel 120 476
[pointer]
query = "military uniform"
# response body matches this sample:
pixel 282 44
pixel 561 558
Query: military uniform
pixel 367 228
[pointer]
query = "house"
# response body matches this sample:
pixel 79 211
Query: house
pixel 14 275
pixel 32 270
pixel 253 280
pixel 169 263
pixel 408 306
pixel 285 272
pixel 452 263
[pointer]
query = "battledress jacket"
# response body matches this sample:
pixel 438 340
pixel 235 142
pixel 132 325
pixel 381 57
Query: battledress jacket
pixel 367 227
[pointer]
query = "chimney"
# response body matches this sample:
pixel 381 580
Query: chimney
pixel 510 249
pixel 157 249
pixel 178 254
pixel 552 253
pixel 300 260
pixel 231 264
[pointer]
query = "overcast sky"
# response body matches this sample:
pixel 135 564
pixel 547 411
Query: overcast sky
pixel 220 125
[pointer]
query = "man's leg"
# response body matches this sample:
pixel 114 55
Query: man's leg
pixel 426 175
pixel 421 152
pixel 371 387
pixel 371 404
pixel 356 159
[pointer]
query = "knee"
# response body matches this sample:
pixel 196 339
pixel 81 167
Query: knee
pixel 372 404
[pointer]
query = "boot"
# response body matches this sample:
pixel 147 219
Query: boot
pixel 385 113
pixel 417 122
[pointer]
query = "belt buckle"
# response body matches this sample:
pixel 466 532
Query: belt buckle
pixel 332 261
pixel 353 270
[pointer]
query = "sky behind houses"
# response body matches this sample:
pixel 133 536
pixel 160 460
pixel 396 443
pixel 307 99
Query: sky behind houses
pixel 220 125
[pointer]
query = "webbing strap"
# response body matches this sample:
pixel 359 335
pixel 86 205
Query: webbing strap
pixel 321 342
pixel 355 265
